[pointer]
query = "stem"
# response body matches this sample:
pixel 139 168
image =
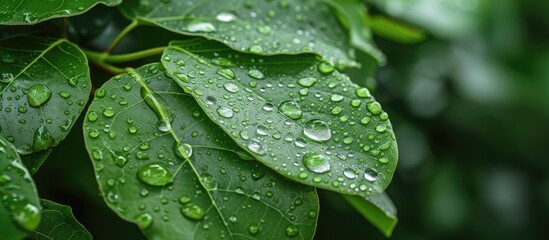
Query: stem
pixel 121 35
pixel 133 56
pixel 98 59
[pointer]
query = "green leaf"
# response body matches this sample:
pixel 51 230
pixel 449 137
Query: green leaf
pixel 395 30
pixel 378 209
pixel 162 164
pixel 58 222
pixel 44 85
pixel 19 210
pixel 17 12
pixel 296 114
pixel 259 27
pixel 34 161
pixel 355 16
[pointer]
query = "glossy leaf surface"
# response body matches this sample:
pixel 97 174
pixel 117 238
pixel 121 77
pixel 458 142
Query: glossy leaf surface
pixel 296 114
pixel 16 12
pixel 259 27
pixel 20 209
pixel 58 222
pixel 44 85
pixel 378 209
pixel 162 164
pixel 35 160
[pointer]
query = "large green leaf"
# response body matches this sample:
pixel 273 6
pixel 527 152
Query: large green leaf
pixel 44 85
pixel 20 210
pixel 16 12
pixel 260 27
pixel 378 209
pixel 140 131
pixel 35 160
pixel 58 222
pixel 296 114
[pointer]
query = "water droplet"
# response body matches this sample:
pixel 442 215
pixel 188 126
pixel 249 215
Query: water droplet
pixel 370 174
pixel 336 98
pixel 42 139
pixel 210 100
pixel 225 17
pixel 349 173
pixel 225 112
pixel 307 81
pixel 381 128
pixel 231 87
pixel 155 174
pixel 132 129
pixel 157 104
pixel 65 94
pixel 362 92
pixel 7 59
pixel 337 110
pixel 253 229
pixel 200 27
pixel 291 109
pixel 108 112
pixel 223 62
pixel 254 73
pixel 317 130
pixel 374 107
pixel 264 29
pixel 256 49
pixel 94 133
pixel 144 220
pixel 26 215
pixel 326 67
pixel 209 182
pixel 292 231
pixel 268 107
pixel 193 212
pixel 262 130
pixel 38 95
pixel 317 163
pixel 365 120
pixel 227 73
pixel 256 147
pixel 183 150
pixel 300 142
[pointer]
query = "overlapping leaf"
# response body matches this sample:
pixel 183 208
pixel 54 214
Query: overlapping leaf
pixel 16 12
pixel 378 209
pixel 162 164
pixel 20 209
pixel 44 85
pixel 58 222
pixel 296 114
pixel 259 27
pixel 35 160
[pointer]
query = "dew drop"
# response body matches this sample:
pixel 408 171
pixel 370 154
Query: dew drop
pixel 292 231
pixel 7 59
pixel 38 95
pixel 227 73
pixel 300 142
pixel 317 130
pixel 374 107
pixel 225 112
pixel 370 174
pixel 42 139
pixel 307 81
pixel 225 17
pixel 253 229
pixel 108 112
pixel 210 100
pixel 336 98
pixel 256 147
pixel 291 109
pixel 326 67
pixel 349 173
pixel 193 212
pixel 26 215
pixel 144 220
pixel 254 73
pixel 200 27
pixel 362 92
pixel 317 163
pixel 155 174
pixel 231 87
pixel 183 150
pixel 268 107
pixel 256 49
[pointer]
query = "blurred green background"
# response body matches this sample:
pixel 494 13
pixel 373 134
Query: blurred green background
pixel 468 95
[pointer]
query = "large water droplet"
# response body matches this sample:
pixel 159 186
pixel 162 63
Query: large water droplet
pixel 292 231
pixel 256 147
pixel 155 174
pixel 225 112
pixel 231 87
pixel 349 173
pixel 326 67
pixel 370 174
pixel 317 130
pixel 183 150
pixel 144 220
pixel 225 17
pixel 42 139
pixel 193 211
pixel 374 107
pixel 307 81
pixel 254 73
pixel 254 229
pixel 38 95
pixel 291 109
pixel 317 163
pixel 209 182
pixel 200 27
pixel 227 73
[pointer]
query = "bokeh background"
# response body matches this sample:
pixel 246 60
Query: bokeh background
pixel 466 86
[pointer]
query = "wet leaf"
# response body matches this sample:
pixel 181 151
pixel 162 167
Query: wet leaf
pixel 378 209
pixel 44 85
pixel 259 27
pixel 19 209
pixel 296 114
pixel 35 160
pixel 17 12
pixel 58 222
pixel 162 164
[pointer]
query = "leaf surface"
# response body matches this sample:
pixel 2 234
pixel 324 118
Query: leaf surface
pixel 44 85
pixel 259 27
pixel 17 12
pixel 20 209
pixel 58 222
pixel 296 114
pixel 378 209
pixel 35 160
pixel 162 164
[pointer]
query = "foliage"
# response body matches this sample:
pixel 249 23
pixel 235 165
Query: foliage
pixel 228 134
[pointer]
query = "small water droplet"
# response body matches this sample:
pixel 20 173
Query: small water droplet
pixel 253 229
pixel 227 73
pixel 193 212
pixel 183 150
pixel 254 73
pixel 317 163
pixel 291 109
pixel 144 220
pixel 42 139
pixel 268 107
pixel 256 147
pixel 300 142
pixel 317 130
pixel 108 112
pixel 374 107
pixel 292 231
pixel 225 112
pixel 155 174
pixel 370 174
pixel 38 95
pixel 349 173
pixel 362 92
pixel 326 67
pixel 307 81
pixel 209 182
pixel 7 59
pixel 225 17
pixel 231 87
pixel 256 49
pixel 26 215
pixel 336 98
pixel 200 27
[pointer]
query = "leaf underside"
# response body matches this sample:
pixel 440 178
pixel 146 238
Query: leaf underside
pixel 31 69
pixel 259 27
pixel 229 197
pixel 58 222
pixel 17 12
pixel 295 114
pixel 378 209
